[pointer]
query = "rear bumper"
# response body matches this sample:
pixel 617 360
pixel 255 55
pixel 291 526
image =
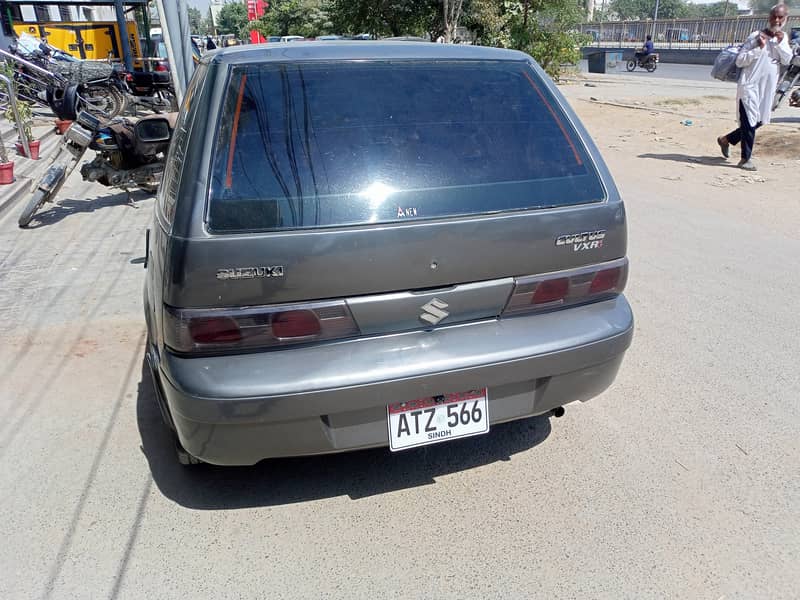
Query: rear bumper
pixel 237 410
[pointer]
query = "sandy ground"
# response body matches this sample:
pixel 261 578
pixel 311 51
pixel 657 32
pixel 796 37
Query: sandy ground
pixel 660 136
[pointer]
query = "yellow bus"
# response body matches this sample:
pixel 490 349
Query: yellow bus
pixel 89 40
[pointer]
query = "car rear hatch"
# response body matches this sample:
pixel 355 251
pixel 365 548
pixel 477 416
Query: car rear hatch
pixel 392 211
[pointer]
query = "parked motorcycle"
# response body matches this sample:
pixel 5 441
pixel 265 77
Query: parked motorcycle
pixel 152 90
pixel 43 66
pixel 129 155
pixel 790 78
pixel 648 62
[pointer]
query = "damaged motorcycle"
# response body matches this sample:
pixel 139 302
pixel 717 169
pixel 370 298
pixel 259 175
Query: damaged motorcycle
pixel 129 154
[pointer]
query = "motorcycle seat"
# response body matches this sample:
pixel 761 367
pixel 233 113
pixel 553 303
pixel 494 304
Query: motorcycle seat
pixel 149 78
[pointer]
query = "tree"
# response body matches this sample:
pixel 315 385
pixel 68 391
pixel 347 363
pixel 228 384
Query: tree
pixel 547 30
pixel 233 19
pixel 762 7
pixel 451 13
pixel 708 11
pixel 386 17
pixel 196 22
pixel 627 10
pixel 487 22
pixel 308 18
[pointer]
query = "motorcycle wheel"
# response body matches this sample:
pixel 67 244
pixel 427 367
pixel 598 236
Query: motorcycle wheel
pixel 784 86
pixel 55 176
pixel 105 101
pixel 776 102
pixel 631 65
pixel 37 198
pixel 651 66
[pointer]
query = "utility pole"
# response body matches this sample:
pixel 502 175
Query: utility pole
pixel 123 35
pixel 655 16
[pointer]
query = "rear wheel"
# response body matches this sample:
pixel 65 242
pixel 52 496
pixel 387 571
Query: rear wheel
pixel 105 101
pixel 651 66
pixel 36 199
pixel 631 65
pixel 184 457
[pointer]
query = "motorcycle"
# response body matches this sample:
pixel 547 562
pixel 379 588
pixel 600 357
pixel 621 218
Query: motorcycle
pixel 98 82
pixel 129 155
pixel 150 89
pixel 648 62
pixel 790 78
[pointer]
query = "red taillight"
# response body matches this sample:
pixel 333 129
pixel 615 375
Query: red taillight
pixel 605 280
pixel 161 67
pixel 567 288
pixel 295 324
pixel 214 330
pixel 128 77
pixel 551 290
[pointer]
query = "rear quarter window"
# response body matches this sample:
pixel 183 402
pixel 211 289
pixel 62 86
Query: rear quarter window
pixel 306 145
pixel 168 190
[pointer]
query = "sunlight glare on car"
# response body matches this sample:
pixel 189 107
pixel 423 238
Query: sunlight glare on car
pixel 377 193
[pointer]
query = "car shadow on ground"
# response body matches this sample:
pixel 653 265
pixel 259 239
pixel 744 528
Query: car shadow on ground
pixel 711 161
pixel 52 213
pixel 283 481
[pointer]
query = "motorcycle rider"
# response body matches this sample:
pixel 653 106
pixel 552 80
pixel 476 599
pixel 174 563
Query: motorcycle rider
pixel 646 50
pixel 759 59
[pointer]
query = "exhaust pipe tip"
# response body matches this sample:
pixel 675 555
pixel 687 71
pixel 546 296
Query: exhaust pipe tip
pixel 558 411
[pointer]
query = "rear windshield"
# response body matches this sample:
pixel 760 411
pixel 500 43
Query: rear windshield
pixel 322 144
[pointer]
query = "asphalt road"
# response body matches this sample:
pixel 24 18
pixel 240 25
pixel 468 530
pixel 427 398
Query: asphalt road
pixel 664 70
pixel 681 481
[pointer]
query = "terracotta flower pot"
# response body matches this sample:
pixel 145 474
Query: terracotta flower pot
pixel 62 125
pixel 34 146
pixel 6 173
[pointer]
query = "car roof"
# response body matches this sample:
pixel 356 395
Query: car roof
pixel 355 50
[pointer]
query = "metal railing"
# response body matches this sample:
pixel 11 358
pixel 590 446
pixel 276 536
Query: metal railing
pixel 689 34
pixel 11 101
pixel 30 79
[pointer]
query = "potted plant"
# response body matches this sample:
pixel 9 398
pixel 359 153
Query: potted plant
pixel 25 114
pixel 6 166
pixel 62 125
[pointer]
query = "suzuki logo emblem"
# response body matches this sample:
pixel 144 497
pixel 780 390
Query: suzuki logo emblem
pixel 433 312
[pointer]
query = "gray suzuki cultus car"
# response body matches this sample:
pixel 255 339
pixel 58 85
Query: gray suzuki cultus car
pixel 383 244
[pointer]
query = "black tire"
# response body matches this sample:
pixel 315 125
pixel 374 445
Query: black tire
pixel 104 101
pixel 631 65
pixel 37 198
pixel 184 458
pixel 651 66
pixel 64 102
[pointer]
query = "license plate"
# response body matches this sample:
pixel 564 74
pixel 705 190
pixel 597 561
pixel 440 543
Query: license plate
pixel 437 419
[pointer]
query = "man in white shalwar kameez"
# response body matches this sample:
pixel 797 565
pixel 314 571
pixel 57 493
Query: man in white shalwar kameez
pixel 759 58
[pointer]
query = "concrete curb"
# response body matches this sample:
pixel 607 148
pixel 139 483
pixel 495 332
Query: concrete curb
pixel 16 191
pixel 660 82
pixel 26 171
